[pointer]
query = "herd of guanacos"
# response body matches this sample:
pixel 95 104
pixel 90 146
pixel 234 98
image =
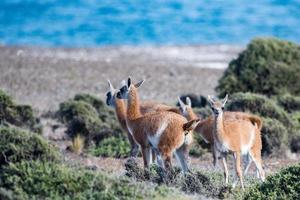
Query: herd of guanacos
pixel 161 131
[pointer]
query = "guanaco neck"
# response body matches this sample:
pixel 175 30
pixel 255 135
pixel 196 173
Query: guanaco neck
pixel 120 109
pixel 219 127
pixel 133 107
pixel 191 115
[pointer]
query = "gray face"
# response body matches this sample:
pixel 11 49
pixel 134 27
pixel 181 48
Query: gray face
pixel 123 93
pixel 110 98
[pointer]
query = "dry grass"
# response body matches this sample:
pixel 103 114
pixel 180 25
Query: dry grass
pixel 77 144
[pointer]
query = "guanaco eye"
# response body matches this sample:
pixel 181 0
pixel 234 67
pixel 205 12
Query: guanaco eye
pixel 222 108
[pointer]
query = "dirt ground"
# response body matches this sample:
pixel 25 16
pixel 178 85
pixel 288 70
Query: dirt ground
pixel 44 77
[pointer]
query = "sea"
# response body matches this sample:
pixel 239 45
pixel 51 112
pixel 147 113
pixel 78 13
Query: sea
pixel 91 23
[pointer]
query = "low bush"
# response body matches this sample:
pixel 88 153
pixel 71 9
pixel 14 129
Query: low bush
pixel 259 105
pixel 90 99
pixel 115 146
pixel 18 115
pixel 17 145
pixel 274 137
pixel 268 66
pixel 45 180
pixel 199 182
pixel 295 116
pixel 295 139
pixel 106 114
pixel 81 118
pixel 87 115
pixel 282 185
pixel 289 103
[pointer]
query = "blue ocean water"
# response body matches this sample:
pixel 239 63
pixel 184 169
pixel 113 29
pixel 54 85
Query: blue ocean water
pixel 90 23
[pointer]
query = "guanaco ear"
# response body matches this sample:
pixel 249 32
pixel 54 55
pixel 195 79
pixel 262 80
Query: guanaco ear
pixel 111 87
pixel 225 100
pixel 188 101
pixel 129 82
pixel 191 125
pixel 139 83
pixel 210 100
pixel 181 104
pixel 123 83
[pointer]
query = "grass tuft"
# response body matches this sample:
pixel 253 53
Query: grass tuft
pixel 77 144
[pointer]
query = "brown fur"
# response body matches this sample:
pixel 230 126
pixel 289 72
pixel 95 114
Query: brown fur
pixel 233 136
pixel 120 109
pixel 206 126
pixel 146 126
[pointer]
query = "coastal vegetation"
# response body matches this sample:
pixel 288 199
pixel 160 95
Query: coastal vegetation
pixel 263 80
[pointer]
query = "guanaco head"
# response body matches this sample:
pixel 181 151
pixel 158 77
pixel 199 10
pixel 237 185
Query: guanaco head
pixel 217 106
pixel 126 87
pixel 184 108
pixel 111 95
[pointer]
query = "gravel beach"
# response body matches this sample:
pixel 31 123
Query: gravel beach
pixel 44 77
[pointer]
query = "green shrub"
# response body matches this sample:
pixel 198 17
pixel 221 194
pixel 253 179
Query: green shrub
pixel 268 66
pixel 45 180
pixel 295 139
pixel 295 116
pixel 88 116
pixel 274 137
pixel 259 105
pixel 17 145
pixel 282 185
pixel 92 100
pixel 106 114
pixel 209 184
pixel 18 115
pixel 289 103
pixel 295 143
pixel 111 147
pixel 81 118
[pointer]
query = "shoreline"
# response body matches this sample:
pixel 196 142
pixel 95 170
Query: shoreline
pixel 44 77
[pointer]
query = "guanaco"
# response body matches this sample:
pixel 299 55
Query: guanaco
pixel 205 127
pixel 165 132
pixel 235 136
pixel 120 110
